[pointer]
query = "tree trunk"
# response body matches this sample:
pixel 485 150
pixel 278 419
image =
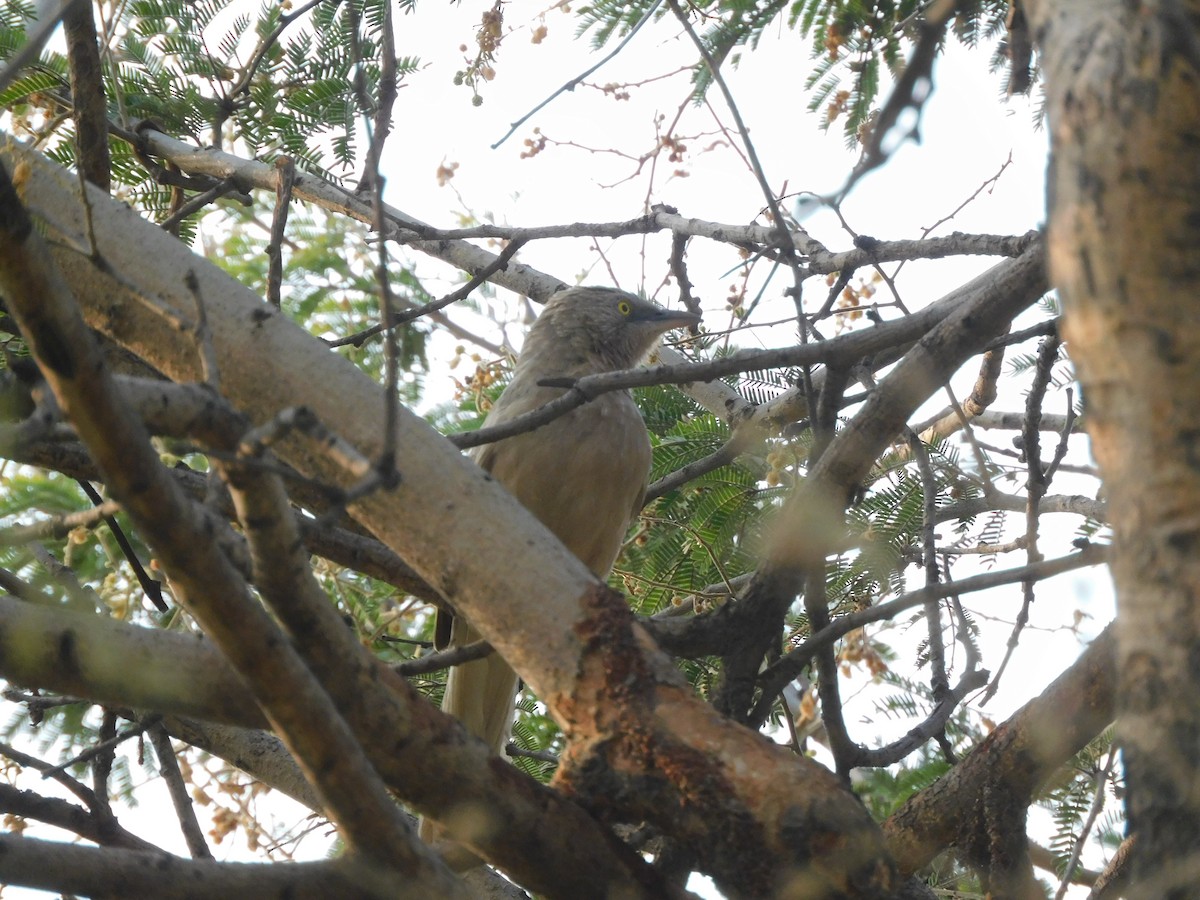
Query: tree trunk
pixel 1124 228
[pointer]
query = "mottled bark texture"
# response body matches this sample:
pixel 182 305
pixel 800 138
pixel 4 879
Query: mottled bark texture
pixel 979 806
pixel 1124 232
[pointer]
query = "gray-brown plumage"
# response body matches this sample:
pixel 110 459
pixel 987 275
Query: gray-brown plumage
pixel 583 475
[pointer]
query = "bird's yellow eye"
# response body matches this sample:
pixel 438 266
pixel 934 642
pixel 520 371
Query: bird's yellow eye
pixel 624 307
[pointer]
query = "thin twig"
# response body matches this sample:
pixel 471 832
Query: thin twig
pixel 105 746
pixel 545 756
pixel 1102 778
pixel 286 167
pixel 381 126
pixel 385 465
pixel 782 237
pixel 150 587
pixel 400 318
pixel 198 202
pixel 936 648
pixel 578 79
pixel 846 751
pixel 446 659
pixel 210 369
pixel 1035 489
pixel 243 85
pixel 934 723
pixel 58 527
pixel 87 92
pixel 102 762
pixel 168 767
pixel 793 663
pixel 76 787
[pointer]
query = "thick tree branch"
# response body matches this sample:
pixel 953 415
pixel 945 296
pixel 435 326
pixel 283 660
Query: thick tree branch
pixel 87 92
pixel 570 640
pixel 259 754
pixel 204 686
pixel 450 245
pixel 101 829
pixel 811 522
pixel 70 362
pixel 342 545
pixel 91 656
pixel 335 654
pixel 1017 759
pixel 72 869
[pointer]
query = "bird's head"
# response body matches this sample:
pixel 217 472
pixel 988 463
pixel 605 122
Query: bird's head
pixel 600 328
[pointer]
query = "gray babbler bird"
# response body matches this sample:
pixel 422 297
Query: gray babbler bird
pixel 583 475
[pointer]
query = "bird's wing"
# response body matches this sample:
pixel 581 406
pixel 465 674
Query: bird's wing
pixel 582 475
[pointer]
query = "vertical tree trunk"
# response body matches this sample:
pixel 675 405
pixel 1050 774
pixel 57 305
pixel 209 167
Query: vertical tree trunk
pixel 1124 239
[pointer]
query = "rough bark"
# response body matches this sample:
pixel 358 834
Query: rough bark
pixel 1124 225
pixel 1014 761
pixel 568 641
pixel 87 91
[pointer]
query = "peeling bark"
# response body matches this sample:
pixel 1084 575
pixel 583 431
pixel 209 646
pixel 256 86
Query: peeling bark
pixel 1013 762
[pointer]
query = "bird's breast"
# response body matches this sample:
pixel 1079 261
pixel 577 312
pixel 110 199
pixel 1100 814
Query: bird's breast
pixel 581 475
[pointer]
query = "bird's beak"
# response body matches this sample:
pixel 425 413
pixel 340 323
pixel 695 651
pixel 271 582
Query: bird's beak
pixel 666 319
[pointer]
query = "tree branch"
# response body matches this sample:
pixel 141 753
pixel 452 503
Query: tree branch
pixel 41 302
pixel 71 869
pixel 811 521
pixel 546 627
pixel 103 830
pixel 1017 758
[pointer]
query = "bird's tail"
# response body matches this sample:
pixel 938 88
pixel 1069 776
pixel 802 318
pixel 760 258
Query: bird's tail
pixel 481 694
